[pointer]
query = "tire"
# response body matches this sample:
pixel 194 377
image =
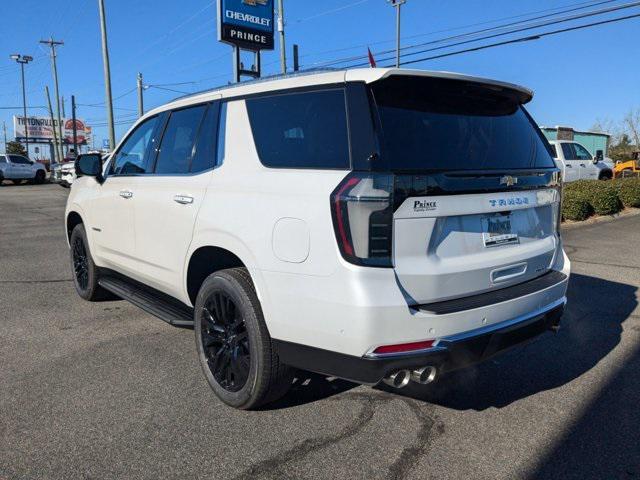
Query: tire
pixel 85 272
pixel 606 175
pixel 40 177
pixel 1 178
pixel 233 342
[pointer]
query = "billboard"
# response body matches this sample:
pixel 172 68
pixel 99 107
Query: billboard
pixel 40 130
pixel 246 24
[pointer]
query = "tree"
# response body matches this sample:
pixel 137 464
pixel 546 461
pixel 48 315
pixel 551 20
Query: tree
pixel 632 125
pixel 16 148
pixel 621 151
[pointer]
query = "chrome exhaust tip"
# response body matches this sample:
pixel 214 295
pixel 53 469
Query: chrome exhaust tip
pixel 424 375
pixel 398 379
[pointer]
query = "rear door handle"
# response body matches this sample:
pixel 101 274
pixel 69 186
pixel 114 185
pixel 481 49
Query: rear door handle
pixel 183 199
pixel 126 193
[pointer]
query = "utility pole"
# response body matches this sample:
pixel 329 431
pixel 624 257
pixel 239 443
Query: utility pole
pixel 22 60
pixel 140 98
pixel 296 58
pixel 52 45
pixel 107 75
pixel 53 127
pixel 398 5
pixel 75 128
pixel 283 49
pixel 4 130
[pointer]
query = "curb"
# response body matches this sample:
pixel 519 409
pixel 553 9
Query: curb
pixel 627 212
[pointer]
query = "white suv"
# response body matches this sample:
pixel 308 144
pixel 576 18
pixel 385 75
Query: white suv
pixel 370 224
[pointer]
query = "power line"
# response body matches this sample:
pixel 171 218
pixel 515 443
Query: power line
pixel 524 39
pixel 510 32
pixel 168 89
pixel 20 108
pixel 477 32
pixel 328 12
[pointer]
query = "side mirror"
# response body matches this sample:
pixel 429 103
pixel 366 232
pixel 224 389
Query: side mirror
pixel 89 165
pixel 599 156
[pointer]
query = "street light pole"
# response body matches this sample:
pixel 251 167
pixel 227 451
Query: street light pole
pixel 107 75
pixel 398 5
pixel 22 60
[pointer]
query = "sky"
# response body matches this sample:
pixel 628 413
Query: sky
pixel 578 77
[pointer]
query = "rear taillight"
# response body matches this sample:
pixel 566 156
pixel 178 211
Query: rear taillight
pixel 403 347
pixel 362 211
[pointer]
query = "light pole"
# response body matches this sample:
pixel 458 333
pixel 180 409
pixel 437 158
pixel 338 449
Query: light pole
pixel 398 5
pixel 23 60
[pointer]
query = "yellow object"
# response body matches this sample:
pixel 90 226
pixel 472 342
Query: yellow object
pixel 628 168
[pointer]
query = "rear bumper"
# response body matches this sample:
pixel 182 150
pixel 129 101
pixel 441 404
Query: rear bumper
pixel 451 353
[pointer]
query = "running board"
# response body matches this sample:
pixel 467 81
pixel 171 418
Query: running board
pixel 149 300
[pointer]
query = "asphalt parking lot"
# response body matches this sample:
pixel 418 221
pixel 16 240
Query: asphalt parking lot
pixel 104 390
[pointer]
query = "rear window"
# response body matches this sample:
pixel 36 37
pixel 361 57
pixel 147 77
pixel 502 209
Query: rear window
pixel 436 124
pixel 301 130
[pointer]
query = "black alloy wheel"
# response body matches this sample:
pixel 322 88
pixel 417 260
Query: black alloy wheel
pixel 234 347
pixel 225 341
pixel 80 262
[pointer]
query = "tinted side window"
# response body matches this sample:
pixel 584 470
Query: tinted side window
pixel 133 155
pixel 19 159
pixel 3 159
pixel 205 156
pixel 567 150
pixel 301 130
pixel 554 151
pixel 581 152
pixel 176 149
pixel 222 132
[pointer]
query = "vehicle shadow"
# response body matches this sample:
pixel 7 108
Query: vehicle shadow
pixel 590 329
pixel 310 387
pixel 603 442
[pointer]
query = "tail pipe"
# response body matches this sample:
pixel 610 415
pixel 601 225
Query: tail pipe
pixel 398 379
pixel 424 375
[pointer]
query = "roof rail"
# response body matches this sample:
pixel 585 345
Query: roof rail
pixel 278 76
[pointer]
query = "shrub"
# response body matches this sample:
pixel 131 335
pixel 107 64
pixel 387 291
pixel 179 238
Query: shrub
pixel 604 198
pixel 601 196
pixel 629 191
pixel 575 207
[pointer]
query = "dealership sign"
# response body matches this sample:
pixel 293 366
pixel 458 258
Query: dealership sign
pixel 246 24
pixel 40 130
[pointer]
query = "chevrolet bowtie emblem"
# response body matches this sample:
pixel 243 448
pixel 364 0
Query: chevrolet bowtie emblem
pixel 508 180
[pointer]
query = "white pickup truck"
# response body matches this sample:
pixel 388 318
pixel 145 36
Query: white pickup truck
pixel 578 164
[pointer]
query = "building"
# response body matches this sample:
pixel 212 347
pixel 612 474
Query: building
pixel 592 141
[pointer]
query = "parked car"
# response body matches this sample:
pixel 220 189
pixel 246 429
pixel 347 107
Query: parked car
pixel 577 163
pixel 64 174
pixel 19 168
pixel 369 224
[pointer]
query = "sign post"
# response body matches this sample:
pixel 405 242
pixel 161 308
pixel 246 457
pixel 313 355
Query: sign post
pixel 246 25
